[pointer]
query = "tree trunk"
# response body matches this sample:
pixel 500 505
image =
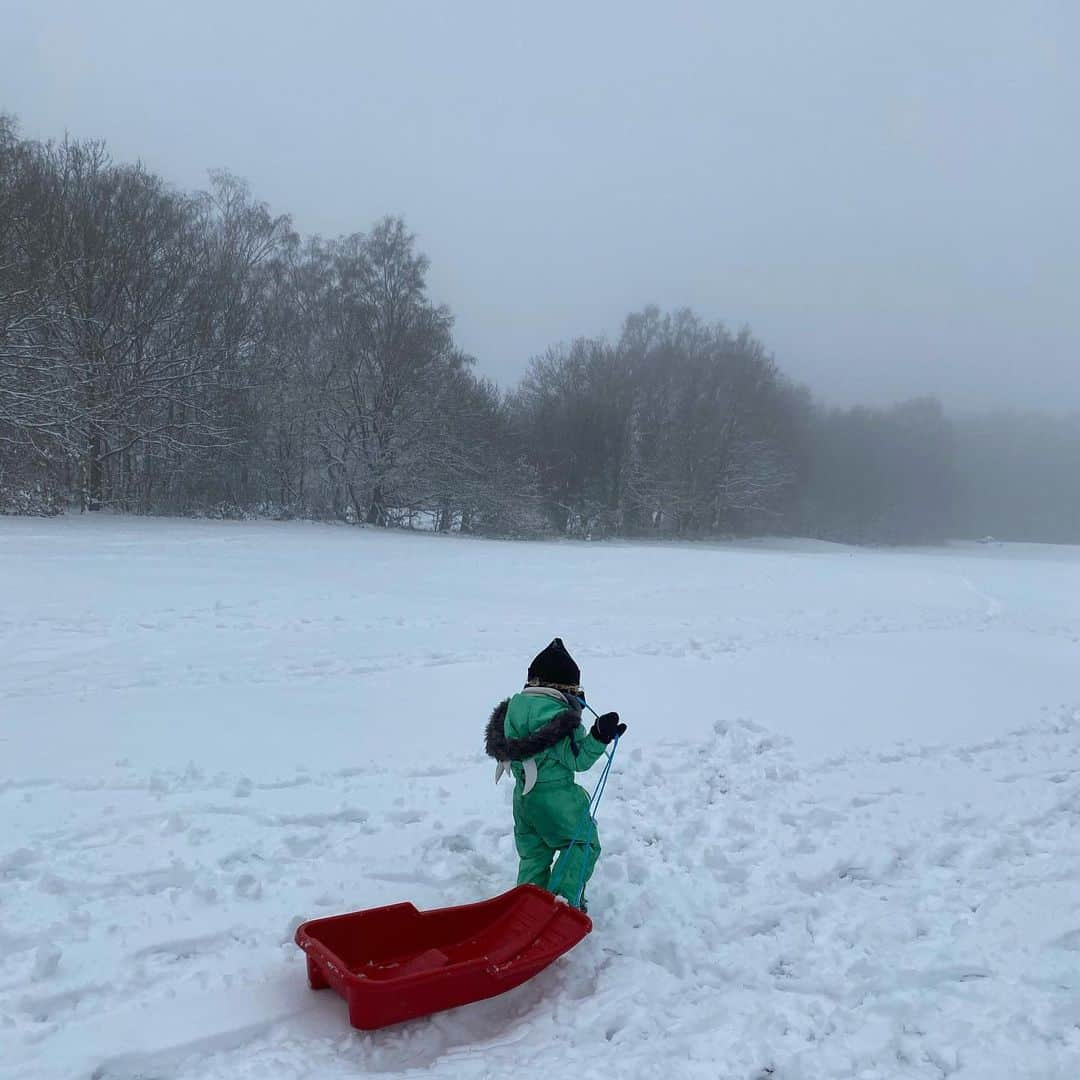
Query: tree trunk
pixel 95 473
pixel 376 514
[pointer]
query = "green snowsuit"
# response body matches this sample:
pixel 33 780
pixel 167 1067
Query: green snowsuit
pixel 543 727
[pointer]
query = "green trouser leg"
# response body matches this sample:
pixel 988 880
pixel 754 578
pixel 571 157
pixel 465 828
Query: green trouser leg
pixel 534 867
pixel 575 867
pixel 546 821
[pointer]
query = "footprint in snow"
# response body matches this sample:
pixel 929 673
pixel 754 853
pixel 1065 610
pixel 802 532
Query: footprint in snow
pixel 44 1008
pixel 1069 941
pixel 248 887
pixel 458 843
pixel 299 846
pixel 177 950
pixel 434 770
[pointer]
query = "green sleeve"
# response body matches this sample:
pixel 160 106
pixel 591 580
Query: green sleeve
pixel 590 751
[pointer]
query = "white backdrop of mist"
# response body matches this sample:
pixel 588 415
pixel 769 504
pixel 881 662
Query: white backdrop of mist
pixel 886 194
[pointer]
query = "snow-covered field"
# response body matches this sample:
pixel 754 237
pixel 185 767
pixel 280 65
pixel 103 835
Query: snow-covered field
pixel 841 839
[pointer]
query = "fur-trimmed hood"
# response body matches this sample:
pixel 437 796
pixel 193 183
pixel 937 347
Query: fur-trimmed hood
pixel 498 746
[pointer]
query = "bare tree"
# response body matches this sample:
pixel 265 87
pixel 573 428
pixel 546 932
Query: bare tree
pixel 117 243
pixel 386 354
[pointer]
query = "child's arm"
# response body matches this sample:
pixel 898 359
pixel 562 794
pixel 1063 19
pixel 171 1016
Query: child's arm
pixel 605 729
pixel 589 750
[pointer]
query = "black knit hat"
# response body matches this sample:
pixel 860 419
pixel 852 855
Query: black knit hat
pixel 555 665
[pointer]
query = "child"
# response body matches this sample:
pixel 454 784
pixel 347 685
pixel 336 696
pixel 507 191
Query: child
pixel 539 736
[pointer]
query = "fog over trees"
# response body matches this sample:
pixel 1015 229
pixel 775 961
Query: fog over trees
pixel 165 352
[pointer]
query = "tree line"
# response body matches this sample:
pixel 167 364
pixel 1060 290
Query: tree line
pixel 167 352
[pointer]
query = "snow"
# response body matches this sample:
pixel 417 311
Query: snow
pixel 840 839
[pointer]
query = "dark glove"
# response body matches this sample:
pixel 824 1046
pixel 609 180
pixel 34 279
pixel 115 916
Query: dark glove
pixel 606 727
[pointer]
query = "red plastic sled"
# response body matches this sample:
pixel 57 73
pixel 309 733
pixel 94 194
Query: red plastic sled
pixel 396 963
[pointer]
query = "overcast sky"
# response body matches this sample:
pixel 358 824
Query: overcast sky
pixel 888 194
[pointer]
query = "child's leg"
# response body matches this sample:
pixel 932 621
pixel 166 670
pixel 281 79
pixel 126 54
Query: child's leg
pixel 575 866
pixel 535 858
pixel 562 820
pixel 534 867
